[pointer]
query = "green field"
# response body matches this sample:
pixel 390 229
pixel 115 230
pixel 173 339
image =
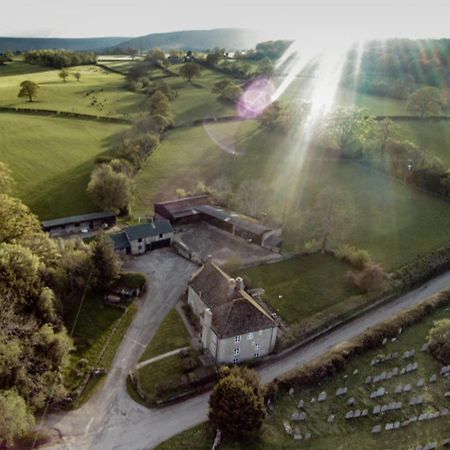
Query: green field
pixel 171 335
pixel 52 159
pixel 392 221
pixel 354 434
pixel 99 92
pixel 300 287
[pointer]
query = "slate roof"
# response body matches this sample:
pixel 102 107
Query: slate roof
pixel 233 312
pixel 148 229
pixel 75 219
pixel 120 241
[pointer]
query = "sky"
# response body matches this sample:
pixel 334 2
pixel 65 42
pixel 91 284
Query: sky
pixel 305 19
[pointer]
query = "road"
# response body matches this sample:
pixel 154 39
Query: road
pixel 111 420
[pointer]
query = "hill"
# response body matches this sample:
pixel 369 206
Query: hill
pixel 35 43
pixel 230 38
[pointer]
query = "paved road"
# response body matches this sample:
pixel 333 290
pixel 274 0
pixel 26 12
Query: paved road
pixel 111 420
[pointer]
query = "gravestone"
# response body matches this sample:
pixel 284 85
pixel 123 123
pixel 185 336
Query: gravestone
pixel 322 397
pixel 300 404
pixel 376 429
pixel 349 415
pixel 433 378
pixel 351 401
pixel 389 426
pixel 307 436
pixel 421 383
pixel 425 347
pixel 443 412
pixel 398 389
pixel 357 414
pixel 287 427
pixel 368 379
pixel 376 409
pixel 365 413
pixel 291 391
pixel 331 418
pixel 295 417
pixel 302 416
pixel 407 388
pixel 341 391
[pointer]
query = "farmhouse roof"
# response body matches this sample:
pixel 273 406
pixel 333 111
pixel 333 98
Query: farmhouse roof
pixel 75 219
pixel 148 229
pixel 120 241
pixel 234 311
pixel 182 206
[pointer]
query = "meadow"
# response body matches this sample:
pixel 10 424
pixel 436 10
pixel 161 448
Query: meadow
pixel 351 434
pixel 98 93
pixel 394 222
pixel 52 158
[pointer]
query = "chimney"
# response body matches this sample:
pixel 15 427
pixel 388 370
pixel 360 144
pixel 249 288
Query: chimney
pixel 208 258
pixel 207 321
pixel 231 287
pixel 239 284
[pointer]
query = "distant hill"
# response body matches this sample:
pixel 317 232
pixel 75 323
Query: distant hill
pixel 229 38
pixel 24 44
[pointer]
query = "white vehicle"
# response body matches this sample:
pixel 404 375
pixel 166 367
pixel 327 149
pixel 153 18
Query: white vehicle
pixel 84 230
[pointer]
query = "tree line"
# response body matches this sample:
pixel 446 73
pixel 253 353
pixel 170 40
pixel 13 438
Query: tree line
pixel 59 59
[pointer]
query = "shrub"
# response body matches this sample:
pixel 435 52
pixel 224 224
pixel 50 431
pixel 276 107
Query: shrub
pixel 370 279
pixel 133 280
pixel 356 257
pixel 439 339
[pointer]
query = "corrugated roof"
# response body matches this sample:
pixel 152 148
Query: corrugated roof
pixel 75 219
pixel 148 229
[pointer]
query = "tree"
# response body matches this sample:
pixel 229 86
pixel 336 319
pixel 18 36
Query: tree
pixel 6 178
pixel 425 101
pixel 17 420
pixel 370 279
pixel 159 104
pixel 28 89
pixel 110 190
pixel 156 56
pixel 77 76
pixel 327 219
pixel 251 197
pixel 387 130
pixel 132 52
pixel 265 67
pixel 236 405
pixel 189 71
pixel 105 262
pixel 350 127
pixel 9 54
pixel 64 74
pixel 214 57
pixel 279 116
pixel 439 340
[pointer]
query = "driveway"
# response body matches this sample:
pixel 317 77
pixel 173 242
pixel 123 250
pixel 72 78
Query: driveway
pixel 111 420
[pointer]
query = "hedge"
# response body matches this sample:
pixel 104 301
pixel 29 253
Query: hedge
pixel 133 280
pixel 337 359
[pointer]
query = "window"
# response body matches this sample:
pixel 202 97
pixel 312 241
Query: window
pixel 161 235
pixel 237 350
pixel 140 240
pixel 237 339
pixel 249 336
pixel 235 360
pixel 256 355
pixel 258 346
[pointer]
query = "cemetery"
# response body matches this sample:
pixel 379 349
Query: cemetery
pixel 396 396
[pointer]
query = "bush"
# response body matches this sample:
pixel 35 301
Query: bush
pixel 133 280
pixel 370 279
pixel 439 339
pixel 356 257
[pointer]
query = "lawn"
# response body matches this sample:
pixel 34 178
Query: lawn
pixel 300 287
pixel 393 222
pixel 96 325
pixel 99 92
pixel 171 335
pixel 354 434
pixel 51 160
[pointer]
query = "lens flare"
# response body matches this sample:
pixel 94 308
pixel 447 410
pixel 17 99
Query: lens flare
pixel 256 98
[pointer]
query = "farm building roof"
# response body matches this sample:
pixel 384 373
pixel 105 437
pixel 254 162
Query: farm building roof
pixel 233 311
pixel 182 205
pixel 120 241
pixel 148 229
pixel 76 219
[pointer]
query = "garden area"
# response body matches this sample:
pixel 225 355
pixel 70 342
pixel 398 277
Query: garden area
pixel 321 415
pixel 98 332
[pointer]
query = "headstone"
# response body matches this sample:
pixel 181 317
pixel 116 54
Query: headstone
pixel 443 412
pixel 351 401
pixel 365 413
pixel 421 383
pixel 345 377
pixel 423 417
pixel 355 372
pixel 376 429
pixel 419 400
pixel 349 415
pixel 415 366
pixel 381 391
pixel 399 330
pixel 313 400
pixel 413 419
pixel 384 341
pixel 396 425
pixel 412 401
pixel 307 436
pixel 295 417
pixel 331 418
pixel 302 416
pixel 407 388
pixel 287 427
pixel 376 409
pixel 383 376
pixel 405 423
pixel 402 372
pixel 384 408
pixel 291 391
pixel 395 371
pixel 322 397
pixel 357 414
pixel 433 378
pixel 393 339
pixel 398 405
pixel 398 389
pixel 298 436
pixel 300 404
pixel 425 347
pixel 389 426
pixel 447 394
pixel 368 379
pixel 341 391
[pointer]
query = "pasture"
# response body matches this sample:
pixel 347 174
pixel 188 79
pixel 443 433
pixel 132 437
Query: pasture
pixel 394 222
pixel 344 434
pixel 99 92
pixel 52 158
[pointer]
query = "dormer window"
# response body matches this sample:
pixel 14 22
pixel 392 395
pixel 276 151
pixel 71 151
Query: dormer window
pixel 237 338
pixel 237 350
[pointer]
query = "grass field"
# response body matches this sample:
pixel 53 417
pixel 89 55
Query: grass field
pixel 354 434
pixel 95 326
pixel 392 221
pixel 51 160
pixel 171 334
pixel 99 92
pixel 300 287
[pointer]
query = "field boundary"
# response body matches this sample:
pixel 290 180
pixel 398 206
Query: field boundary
pixel 64 114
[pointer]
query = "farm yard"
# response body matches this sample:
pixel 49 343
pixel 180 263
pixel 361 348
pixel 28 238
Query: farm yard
pixel 314 418
pixel 51 159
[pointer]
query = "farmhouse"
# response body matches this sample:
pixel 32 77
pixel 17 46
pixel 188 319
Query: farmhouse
pixel 199 208
pixel 234 327
pixel 138 239
pixel 76 224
